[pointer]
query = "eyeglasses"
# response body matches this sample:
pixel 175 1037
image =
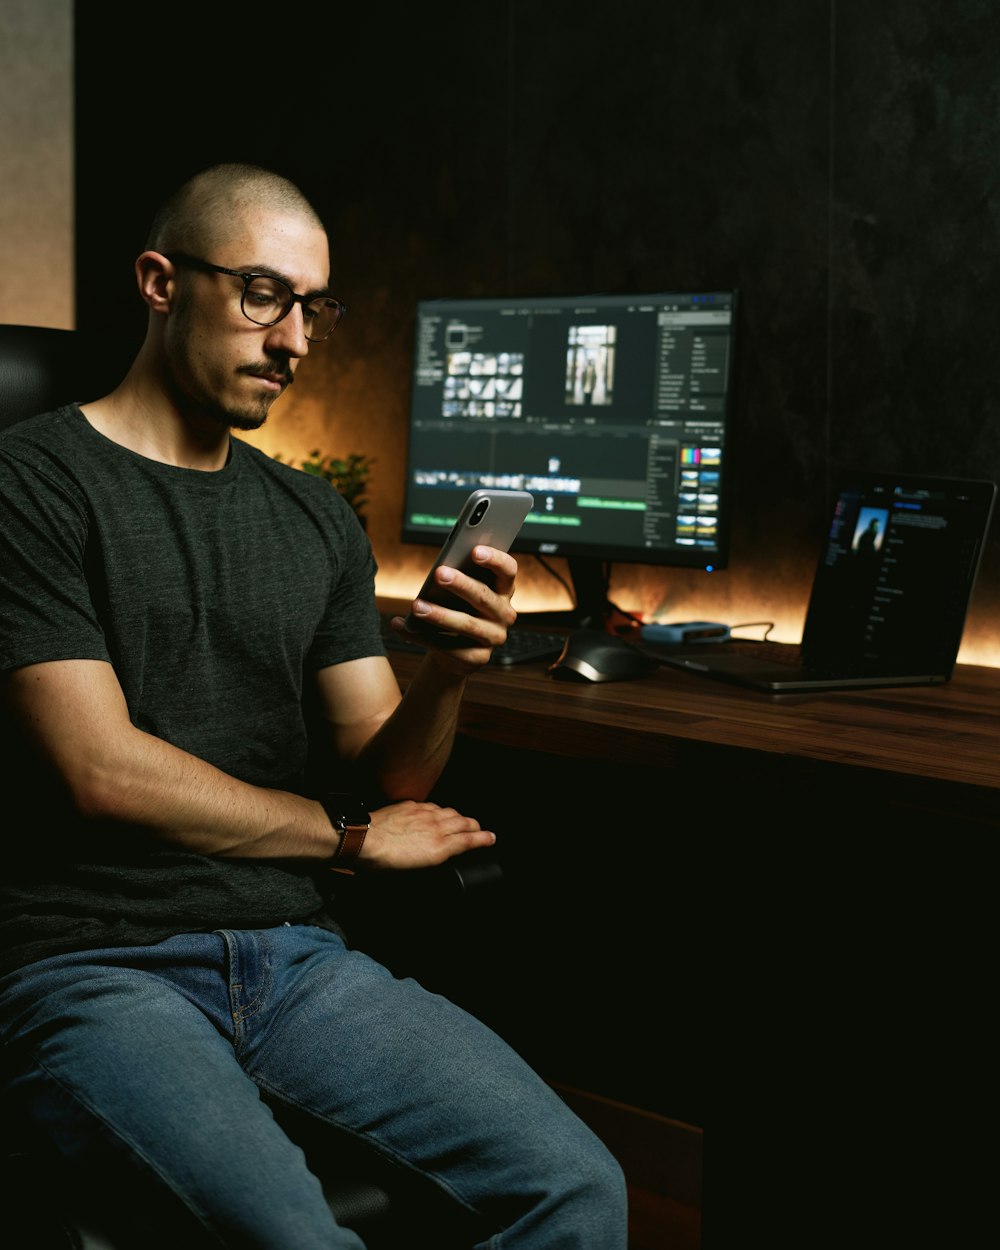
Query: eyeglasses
pixel 266 301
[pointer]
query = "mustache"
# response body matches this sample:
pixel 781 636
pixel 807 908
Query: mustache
pixel 273 367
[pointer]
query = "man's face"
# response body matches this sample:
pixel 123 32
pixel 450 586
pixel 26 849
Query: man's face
pixel 221 363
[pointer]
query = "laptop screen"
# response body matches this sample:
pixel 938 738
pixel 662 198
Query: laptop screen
pixel 896 572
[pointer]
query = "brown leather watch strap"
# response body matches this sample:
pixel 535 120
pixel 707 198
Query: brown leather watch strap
pixel 352 839
pixel 349 817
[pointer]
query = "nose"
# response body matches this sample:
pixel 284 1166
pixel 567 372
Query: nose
pixel 289 334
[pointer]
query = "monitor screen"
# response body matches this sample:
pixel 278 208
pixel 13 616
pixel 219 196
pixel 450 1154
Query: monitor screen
pixel 612 410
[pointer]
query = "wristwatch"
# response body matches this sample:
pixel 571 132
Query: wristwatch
pixel 350 818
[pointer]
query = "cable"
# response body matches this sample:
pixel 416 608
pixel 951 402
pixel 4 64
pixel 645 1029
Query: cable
pixel 558 576
pixel 769 625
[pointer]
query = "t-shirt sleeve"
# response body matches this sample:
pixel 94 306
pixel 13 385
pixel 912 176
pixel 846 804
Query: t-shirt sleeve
pixel 46 607
pixel 351 627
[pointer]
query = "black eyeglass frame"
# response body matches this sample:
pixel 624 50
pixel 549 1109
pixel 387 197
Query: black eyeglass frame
pixel 195 262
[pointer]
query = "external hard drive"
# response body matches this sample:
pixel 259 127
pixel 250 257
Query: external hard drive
pixel 686 631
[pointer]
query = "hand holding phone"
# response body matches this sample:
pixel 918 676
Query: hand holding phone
pixel 490 518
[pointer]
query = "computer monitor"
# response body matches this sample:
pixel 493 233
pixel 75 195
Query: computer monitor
pixel 612 410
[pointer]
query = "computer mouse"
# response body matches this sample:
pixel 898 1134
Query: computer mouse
pixel 592 655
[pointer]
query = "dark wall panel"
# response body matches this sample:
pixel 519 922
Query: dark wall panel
pixel 835 161
pixel 914 260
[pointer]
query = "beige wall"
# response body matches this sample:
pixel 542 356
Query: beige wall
pixel 36 163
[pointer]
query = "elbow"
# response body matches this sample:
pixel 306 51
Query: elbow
pixel 98 793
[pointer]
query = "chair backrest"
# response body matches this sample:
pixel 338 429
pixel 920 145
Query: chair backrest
pixel 43 368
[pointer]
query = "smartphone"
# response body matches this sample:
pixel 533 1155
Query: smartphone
pixel 489 517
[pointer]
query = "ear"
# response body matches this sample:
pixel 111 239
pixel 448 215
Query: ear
pixel 154 275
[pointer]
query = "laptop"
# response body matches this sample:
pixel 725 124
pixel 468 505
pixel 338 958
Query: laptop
pixel 890 594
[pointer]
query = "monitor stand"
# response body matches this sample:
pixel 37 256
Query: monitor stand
pixel 589 581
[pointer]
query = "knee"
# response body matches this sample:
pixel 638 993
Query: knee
pixel 593 1184
pixel 602 1176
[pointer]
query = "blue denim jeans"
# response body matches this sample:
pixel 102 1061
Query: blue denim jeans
pixel 155 1068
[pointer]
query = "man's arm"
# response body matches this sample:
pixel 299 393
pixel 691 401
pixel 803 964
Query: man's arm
pixel 404 744
pixel 75 715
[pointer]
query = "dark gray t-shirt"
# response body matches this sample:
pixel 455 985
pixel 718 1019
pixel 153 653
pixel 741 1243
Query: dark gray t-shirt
pixel 214 596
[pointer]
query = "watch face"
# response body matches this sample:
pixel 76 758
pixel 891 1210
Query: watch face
pixel 350 810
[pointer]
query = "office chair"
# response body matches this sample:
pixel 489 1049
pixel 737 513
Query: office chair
pixel 41 369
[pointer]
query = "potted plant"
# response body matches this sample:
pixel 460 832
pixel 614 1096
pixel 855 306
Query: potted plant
pixel 347 475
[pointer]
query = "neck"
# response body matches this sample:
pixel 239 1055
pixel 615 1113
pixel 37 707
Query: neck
pixel 142 417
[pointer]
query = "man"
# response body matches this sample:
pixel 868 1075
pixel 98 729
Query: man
pixel 174 607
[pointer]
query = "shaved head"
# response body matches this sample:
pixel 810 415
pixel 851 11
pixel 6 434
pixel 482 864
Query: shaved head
pixel 200 214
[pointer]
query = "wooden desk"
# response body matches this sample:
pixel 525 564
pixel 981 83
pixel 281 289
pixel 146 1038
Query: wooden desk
pixel 694 868
pixel 933 746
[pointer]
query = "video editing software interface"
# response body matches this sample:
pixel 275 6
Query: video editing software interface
pixel 611 410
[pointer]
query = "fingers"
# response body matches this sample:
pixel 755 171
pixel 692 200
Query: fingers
pixel 488 600
pixel 419 835
pixel 501 564
pixel 463 640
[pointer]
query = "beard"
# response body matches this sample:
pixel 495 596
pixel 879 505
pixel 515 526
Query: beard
pixel 244 418
pixel 241 420
pixel 194 387
pixel 253 416
pixel 249 416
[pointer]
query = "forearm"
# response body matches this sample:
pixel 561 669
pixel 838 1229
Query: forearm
pixel 150 784
pixel 74 716
pixel 410 750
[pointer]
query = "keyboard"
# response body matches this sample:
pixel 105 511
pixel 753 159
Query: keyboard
pixel 522 645
pixel 528 644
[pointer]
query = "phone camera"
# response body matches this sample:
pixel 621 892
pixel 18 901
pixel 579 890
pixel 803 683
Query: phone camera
pixel 479 511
